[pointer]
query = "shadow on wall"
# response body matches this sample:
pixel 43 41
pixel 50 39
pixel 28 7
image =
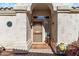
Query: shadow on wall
pixel 26 53
pixel 33 54
pixel 18 52
pixel 52 44
pixel 12 52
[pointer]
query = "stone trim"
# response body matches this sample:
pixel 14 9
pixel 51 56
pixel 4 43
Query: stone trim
pixel 10 11
pixel 68 10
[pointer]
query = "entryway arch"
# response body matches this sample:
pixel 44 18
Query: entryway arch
pixel 43 13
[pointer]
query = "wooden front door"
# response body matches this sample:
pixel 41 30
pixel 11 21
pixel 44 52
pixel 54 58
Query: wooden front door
pixel 37 32
pixel 37 36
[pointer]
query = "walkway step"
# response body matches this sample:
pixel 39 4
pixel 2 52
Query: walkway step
pixel 40 52
pixel 40 46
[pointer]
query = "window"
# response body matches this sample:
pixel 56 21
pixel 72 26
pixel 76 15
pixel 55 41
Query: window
pixel 41 17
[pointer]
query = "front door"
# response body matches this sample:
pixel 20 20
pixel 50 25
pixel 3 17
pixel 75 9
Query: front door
pixel 37 32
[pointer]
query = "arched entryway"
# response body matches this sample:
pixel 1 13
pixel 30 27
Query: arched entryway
pixel 42 21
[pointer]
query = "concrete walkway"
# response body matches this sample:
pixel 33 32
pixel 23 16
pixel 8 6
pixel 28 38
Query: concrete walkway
pixel 37 52
pixel 40 52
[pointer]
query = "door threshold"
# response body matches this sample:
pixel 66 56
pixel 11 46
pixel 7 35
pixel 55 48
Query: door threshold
pixel 40 45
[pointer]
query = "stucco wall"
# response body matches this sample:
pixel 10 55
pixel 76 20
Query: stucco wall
pixel 15 36
pixel 54 26
pixel 68 27
pixel 29 33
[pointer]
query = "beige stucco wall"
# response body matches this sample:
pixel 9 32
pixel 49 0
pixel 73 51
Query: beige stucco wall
pixel 68 27
pixel 14 37
pixel 28 33
pixel 54 26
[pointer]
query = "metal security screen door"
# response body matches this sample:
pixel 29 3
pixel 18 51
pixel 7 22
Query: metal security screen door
pixel 37 32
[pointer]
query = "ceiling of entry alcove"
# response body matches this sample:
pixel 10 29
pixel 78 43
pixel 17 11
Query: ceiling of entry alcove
pixel 40 6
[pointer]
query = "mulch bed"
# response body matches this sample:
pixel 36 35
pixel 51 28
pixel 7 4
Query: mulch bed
pixel 73 49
